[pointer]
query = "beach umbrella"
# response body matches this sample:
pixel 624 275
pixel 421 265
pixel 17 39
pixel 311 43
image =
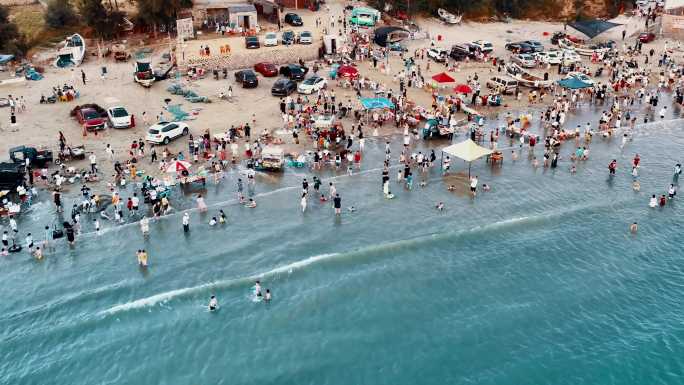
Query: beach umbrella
pixel 443 77
pixel 177 166
pixel 463 89
pixel 468 151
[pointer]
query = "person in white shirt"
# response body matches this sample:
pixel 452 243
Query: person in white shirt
pixel 473 185
pixel 186 222
pixel 93 163
pixel 213 303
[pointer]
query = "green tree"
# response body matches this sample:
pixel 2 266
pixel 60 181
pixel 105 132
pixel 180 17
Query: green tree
pixel 104 21
pixel 161 12
pixel 11 40
pixel 59 13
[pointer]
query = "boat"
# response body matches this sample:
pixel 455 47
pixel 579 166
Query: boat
pixel 143 72
pixel 449 17
pixel 583 49
pixel 72 53
pixel 525 78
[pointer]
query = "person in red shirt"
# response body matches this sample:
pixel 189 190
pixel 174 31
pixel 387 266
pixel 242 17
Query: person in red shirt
pixel 636 160
pixel 612 167
pixel 357 159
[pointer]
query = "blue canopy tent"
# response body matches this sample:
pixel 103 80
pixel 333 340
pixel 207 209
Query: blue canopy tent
pixel 5 58
pixel 593 28
pixel 375 103
pixel 573 83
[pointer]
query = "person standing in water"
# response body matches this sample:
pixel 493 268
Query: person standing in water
pixel 186 222
pixel 337 203
pixel 633 228
pixel 213 303
pixel 303 202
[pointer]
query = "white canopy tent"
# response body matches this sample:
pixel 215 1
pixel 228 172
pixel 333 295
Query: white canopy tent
pixel 466 150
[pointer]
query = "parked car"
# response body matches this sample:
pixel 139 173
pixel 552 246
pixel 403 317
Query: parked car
pixel 311 85
pixel 247 78
pixel 438 54
pixel 537 45
pixel 283 87
pixel 460 52
pixel 37 157
pixel 271 39
pixel 288 37
pixel 519 47
pixel 558 35
pixel 92 116
pixel 266 69
pixel 570 56
pixel 647 37
pixel 119 117
pixel 549 57
pixel 525 60
pixel 251 42
pixel 293 19
pixel 502 84
pixel 12 175
pixel 484 46
pixel 165 132
pixel 305 37
pixel 293 71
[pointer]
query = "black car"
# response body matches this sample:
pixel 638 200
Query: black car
pixel 461 52
pixel 558 35
pixel 251 42
pixel 519 47
pixel 288 37
pixel 248 78
pixel 11 175
pixel 293 19
pixel 293 71
pixel 283 87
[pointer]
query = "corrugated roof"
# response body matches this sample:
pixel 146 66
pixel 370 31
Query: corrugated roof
pixel 240 8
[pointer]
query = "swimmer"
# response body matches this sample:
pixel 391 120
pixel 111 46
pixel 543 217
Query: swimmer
pixel 486 187
pixel 142 258
pixel 633 228
pixel 4 252
pixel 636 186
pixel 267 297
pixel 535 162
pixel 573 169
pixel 351 209
pixel 222 217
pixel 451 188
pixel 440 206
pixel 38 253
pixel 96 224
pixel 257 288
pixel 213 303
pixel 212 221
pixel 653 202
pixel 251 204
pixel 323 198
pixel 145 225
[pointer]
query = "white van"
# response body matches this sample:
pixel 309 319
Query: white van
pixel 504 85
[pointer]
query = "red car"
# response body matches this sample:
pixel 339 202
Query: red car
pixel 92 116
pixel 347 72
pixel 266 69
pixel 647 37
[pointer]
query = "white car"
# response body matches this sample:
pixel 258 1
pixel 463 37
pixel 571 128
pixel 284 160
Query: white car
pixel 164 132
pixel 311 85
pixel 524 60
pixel 271 39
pixel 438 54
pixel 119 118
pixel 580 76
pixel 305 37
pixel 549 57
pixel 483 45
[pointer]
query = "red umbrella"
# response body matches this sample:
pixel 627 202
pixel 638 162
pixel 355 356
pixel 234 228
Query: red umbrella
pixel 463 89
pixel 347 72
pixel 177 166
pixel 443 78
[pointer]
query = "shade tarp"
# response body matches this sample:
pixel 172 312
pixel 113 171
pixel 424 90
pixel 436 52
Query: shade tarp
pixel 383 36
pixel 443 77
pixel 374 103
pixel 593 28
pixel 573 83
pixel 467 150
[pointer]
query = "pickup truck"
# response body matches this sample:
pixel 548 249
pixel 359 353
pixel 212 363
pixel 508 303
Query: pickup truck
pixel 36 157
pixel 92 116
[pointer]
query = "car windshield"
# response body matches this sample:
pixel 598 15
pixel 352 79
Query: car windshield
pixel 306 34
pixel 281 83
pixel 119 112
pixel 251 39
pixel 311 81
pixel 90 114
pixel 271 36
pixel 288 34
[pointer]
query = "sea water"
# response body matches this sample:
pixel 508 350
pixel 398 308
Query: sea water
pixel 536 282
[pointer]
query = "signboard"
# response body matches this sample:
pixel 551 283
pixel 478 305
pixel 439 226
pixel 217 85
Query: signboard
pixel 185 28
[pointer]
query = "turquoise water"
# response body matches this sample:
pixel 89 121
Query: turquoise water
pixel 535 282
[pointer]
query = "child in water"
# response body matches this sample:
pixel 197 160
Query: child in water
pixel 213 303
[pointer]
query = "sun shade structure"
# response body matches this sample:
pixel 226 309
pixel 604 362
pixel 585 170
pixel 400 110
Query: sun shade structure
pixel 178 166
pixel 593 28
pixel 468 151
pixel 385 36
pixel 463 89
pixel 573 83
pixel 443 77
pixel 375 103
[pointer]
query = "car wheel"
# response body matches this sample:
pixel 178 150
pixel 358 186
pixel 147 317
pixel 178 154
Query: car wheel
pixel 185 131
pixel 166 141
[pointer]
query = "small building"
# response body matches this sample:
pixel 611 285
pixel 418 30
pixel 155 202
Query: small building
pixel 236 14
pixel 673 19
